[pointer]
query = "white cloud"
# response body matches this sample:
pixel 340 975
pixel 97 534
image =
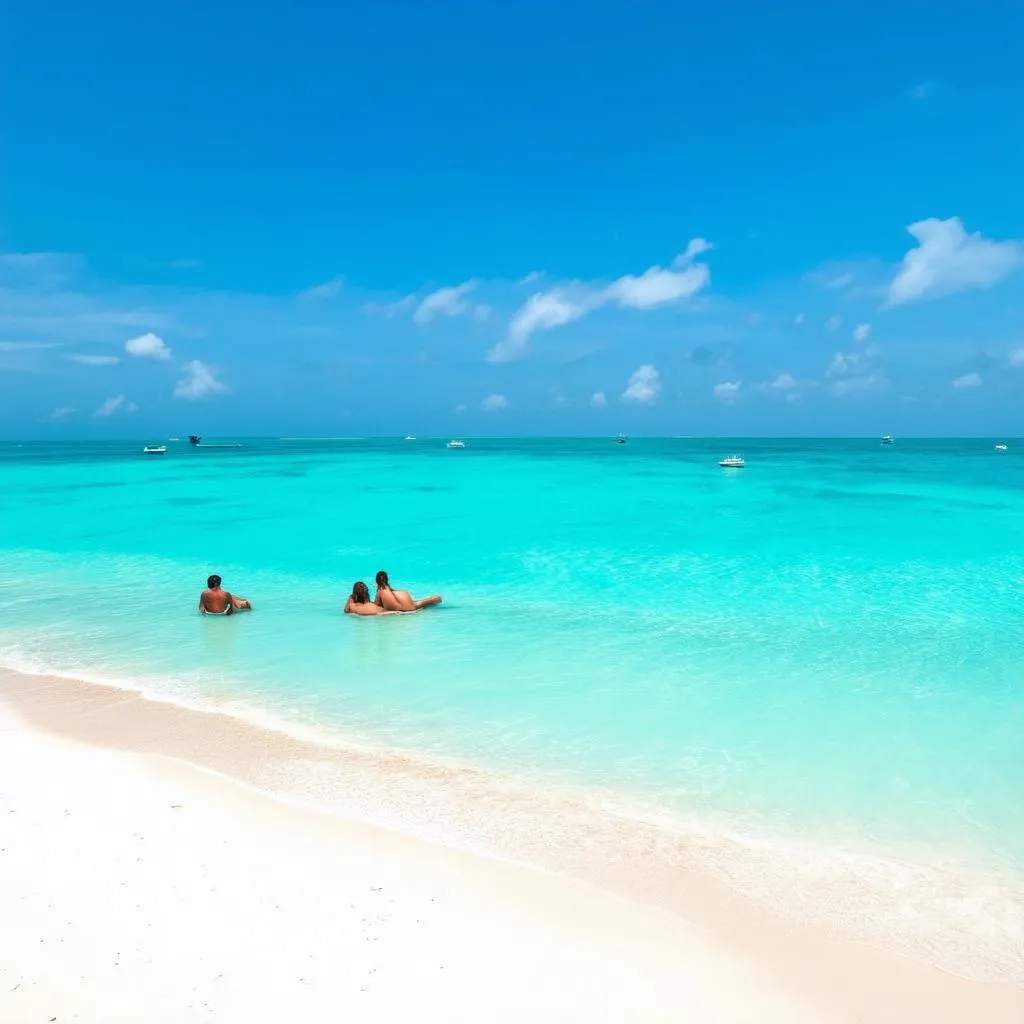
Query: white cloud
pixel 968 380
pixel 728 391
pixel 450 302
pixel 948 260
pixel 597 400
pixel 864 384
pixel 389 309
pixel 147 346
pixel 844 363
pixel 198 382
pixel 494 403
pixel 862 332
pixel 784 382
pixel 532 277
pixel 87 360
pixel 656 286
pixel 540 312
pixel 327 290
pixel 840 281
pixel 833 323
pixel 1017 358
pixel 112 405
pixel 62 413
pixel 799 319
pixel 644 385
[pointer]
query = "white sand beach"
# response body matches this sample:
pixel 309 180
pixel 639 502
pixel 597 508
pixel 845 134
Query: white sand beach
pixel 140 887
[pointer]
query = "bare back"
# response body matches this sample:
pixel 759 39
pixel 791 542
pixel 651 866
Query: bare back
pixel 353 607
pixel 216 601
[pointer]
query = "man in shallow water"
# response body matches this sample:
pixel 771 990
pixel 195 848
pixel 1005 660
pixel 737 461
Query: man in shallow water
pixel 400 600
pixel 215 600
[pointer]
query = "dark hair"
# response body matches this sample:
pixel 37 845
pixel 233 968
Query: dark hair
pixel 213 582
pixel 360 592
pixel 382 580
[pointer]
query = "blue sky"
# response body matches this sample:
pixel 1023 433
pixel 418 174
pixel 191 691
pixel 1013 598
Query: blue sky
pixel 579 219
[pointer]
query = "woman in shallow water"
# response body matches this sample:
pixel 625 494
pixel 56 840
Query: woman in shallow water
pixel 400 600
pixel 359 602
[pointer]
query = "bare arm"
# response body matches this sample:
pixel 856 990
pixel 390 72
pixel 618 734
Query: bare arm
pixel 348 606
pixel 202 603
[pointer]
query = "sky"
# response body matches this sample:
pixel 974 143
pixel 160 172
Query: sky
pixel 331 220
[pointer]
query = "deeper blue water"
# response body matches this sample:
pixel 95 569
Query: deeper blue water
pixel 825 645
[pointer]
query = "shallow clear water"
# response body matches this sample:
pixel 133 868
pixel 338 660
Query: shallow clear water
pixel 826 644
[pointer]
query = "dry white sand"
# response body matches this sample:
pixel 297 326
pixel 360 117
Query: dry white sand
pixel 140 888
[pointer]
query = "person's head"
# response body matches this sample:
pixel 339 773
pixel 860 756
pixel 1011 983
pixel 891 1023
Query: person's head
pixel 360 593
pixel 382 580
pixel 213 582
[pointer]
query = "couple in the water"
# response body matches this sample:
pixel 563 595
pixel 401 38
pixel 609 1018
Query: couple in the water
pixel 386 601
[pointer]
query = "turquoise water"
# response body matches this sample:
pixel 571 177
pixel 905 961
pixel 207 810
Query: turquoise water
pixel 825 646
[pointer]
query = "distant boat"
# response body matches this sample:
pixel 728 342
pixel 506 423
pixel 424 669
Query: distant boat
pixel 888 439
pixel 456 444
pixel 1001 447
pixel 410 437
pixel 155 449
pixel 197 442
pixel 733 462
pixel 621 439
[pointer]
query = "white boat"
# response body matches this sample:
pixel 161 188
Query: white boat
pixel 456 444
pixel 733 462
pixel 888 439
pixel 621 439
pixel 1001 447
pixel 155 449
pixel 409 437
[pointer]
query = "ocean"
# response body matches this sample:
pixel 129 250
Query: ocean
pixel 816 659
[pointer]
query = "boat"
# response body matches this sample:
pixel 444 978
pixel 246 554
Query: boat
pixel 621 439
pixel 410 437
pixel 155 449
pixel 197 442
pixel 456 444
pixel 733 462
pixel 1001 447
pixel 888 439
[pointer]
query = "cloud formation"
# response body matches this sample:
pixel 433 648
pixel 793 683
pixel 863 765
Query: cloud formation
pixel 861 333
pixel 644 385
pixel 597 400
pixel 62 413
pixel 199 382
pixel 117 404
pixel 968 380
pixel 450 302
pixel 948 260
pixel 494 403
pixel 728 391
pixel 1017 357
pixel 148 346
pixel 88 360
pixel 327 290
pixel 656 286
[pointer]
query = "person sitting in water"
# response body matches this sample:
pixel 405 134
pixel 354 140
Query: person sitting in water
pixel 214 600
pixel 400 600
pixel 359 602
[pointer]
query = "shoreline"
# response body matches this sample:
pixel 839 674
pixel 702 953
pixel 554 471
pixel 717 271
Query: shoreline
pixel 849 981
